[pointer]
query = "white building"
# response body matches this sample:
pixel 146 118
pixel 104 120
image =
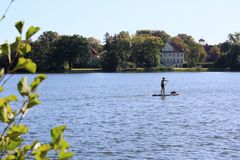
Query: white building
pixel 172 55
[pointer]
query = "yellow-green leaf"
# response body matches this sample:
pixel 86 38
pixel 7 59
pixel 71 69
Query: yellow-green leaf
pixel 33 101
pixel 10 98
pixel 10 157
pixel 15 131
pixel 1 88
pixel 37 80
pixel 27 148
pixel 27 47
pixel 31 31
pixel 63 155
pixel 26 64
pixel 1 72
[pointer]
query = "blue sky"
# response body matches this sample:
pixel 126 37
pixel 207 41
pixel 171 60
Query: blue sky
pixel 212 20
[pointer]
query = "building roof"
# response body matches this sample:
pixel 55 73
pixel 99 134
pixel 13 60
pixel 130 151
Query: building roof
pixel 94 52
pixel 176 48
pixel 201 40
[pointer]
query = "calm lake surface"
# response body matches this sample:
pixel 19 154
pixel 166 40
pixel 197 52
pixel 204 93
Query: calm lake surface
pixel 114 116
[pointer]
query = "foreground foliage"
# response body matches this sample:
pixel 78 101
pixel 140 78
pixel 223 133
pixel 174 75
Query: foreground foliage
pixel 12 145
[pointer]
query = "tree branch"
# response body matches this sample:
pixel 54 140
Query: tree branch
pixel 5 13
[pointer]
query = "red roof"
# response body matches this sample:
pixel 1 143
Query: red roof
pixel 94 52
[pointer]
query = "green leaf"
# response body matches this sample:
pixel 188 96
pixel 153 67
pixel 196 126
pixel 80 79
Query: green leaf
pixel 33 101
pixel 26 64
pixel 57 138
pixel 15 131
pixel 6 50
pixel 57 133
pixel 31 31
pixel 19 25
pixel 23 87
pixel 14 144
pixel 19 39
pixel 37 80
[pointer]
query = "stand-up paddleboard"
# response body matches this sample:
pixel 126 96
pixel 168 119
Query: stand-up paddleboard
pixel 163 95
pixel 173 93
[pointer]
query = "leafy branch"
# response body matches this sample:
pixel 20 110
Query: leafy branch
pixel 11 141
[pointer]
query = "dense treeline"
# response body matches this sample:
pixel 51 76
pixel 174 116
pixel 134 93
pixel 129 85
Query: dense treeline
pixel 55 53
pixel 230 53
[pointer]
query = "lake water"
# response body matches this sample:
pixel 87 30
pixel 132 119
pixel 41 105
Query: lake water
pixel 114 116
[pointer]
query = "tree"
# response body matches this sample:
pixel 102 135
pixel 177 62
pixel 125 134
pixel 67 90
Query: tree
pixel 41 48
pixel 161 34
pixel 233 57
pixel 178 41
pixel 234 37
pixel 196 51
pixel 225 47
pixel 95 44
pixel 71 50
pixel 202 53
pixel 215 52
pixel 117 51
pixel 146 50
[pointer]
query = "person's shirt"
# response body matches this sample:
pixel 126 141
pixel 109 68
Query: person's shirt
pixel 162 82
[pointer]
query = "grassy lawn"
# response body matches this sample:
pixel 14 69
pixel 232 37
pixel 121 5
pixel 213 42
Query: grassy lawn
pixel 190 69
pixel 150 69
pixel 80 70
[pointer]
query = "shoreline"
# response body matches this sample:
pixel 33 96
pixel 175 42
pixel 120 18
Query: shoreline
pixel 154 69
pixel 142 70
pixel 137 70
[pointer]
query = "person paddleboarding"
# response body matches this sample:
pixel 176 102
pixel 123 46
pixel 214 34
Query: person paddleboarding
pixel 163 84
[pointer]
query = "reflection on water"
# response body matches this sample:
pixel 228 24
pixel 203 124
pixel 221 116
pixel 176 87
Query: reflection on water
pixel 114 116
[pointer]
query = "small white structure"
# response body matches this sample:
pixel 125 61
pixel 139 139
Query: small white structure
pixel 172 55
pixel 202 42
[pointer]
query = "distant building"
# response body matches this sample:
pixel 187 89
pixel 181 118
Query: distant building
pixel 202 42
pixel 95 58
pixel 172 55
pixel 210 57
